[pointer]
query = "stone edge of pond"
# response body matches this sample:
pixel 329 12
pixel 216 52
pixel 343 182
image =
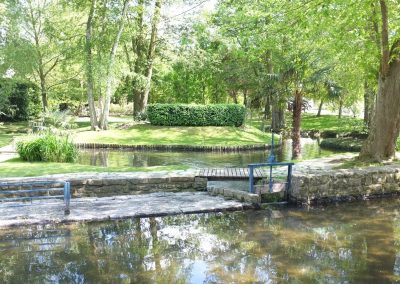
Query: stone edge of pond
pixel 87 210
pixel 124 183
pixel 329 186
pixel 188 148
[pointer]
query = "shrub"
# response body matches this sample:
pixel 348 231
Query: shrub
pixel 59 119
pixel 342 144
pixel 48 148
pixel 19 100
pixel 196 115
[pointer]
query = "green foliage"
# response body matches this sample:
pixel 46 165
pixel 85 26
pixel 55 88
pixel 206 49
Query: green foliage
pixel 19 100
pixel 343 144
pixel 196 115
pixel 59 119
pixel 48 148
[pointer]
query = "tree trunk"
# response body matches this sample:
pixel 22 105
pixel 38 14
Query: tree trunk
pixel 366 103
pixel 296 143
pixel 42 74
pixel 138 44
pixel 267 107
pixel 151 54
pixel 110 77
pixel 277 115
pixel 233 94
pixel 369 98
pixel 381 142
pixel 43 90
pixel 340 109
pixel 320 108
pixel 89 67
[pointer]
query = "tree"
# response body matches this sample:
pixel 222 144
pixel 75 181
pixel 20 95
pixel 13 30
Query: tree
pixel 34 28
pixel 103 123
pixel 89 66
pixel 381 142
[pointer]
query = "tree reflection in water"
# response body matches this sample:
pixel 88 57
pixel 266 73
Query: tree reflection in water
pixel 354 243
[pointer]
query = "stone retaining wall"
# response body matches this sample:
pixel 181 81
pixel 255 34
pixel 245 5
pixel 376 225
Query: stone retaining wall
pixel 193 148
pixel 109 184
pixel 242 196
pixel 340 185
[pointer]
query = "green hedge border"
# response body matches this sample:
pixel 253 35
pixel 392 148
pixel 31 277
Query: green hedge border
pixel 196 115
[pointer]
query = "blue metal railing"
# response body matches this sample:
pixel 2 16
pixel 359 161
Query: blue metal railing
pixel 29 188
pixel 271 181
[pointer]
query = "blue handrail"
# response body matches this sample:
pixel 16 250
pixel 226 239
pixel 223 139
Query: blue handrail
pixel 271 182
pixel 34 187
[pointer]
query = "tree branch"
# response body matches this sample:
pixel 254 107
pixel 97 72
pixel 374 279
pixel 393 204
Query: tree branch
pixel 52 66
pixel 385 39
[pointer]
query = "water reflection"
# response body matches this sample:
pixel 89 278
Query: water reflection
pixel 350 243
pixel 106 158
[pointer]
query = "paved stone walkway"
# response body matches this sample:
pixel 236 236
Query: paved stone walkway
pixel 111 208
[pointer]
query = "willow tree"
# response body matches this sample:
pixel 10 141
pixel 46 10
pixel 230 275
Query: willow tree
pixel 381 142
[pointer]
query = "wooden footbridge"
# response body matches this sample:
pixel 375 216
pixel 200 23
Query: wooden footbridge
pixel 252 173
pixel 232 173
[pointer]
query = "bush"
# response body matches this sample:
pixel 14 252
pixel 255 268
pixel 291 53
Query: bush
pixel 59 119
pixel 47 148
pixel 196 115
pixel 19 100
pixel 342 144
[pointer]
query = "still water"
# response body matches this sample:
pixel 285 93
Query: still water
pixel 107 158
pixel 348 243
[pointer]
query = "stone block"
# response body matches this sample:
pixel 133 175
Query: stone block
pixel 115 182
pixel 138 181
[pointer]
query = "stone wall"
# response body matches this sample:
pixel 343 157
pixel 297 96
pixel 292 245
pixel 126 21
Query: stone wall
pixel 242 196
pixel 109 184
pixel 340 185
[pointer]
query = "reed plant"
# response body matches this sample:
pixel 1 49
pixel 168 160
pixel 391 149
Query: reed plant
pixel 47 147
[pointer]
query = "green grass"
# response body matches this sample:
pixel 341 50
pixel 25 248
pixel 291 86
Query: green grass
pixel 321 123
pixel 9 130
pixel 164 135
pixel 331 123
pixel 356 163
pixel 18 168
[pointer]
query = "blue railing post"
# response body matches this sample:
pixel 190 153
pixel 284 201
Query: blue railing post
pixel 271 180
pixel 289 181
pixel 67 196
pixel 251 179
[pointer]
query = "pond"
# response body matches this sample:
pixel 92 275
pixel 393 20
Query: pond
pixel 347 243
pixel 109 158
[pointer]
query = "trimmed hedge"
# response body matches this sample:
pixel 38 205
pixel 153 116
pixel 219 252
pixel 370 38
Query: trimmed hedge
pixel 196 115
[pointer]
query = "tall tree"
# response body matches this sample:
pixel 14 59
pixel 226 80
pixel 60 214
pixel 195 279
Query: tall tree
pixel 103 123
pixel 89 66
pixel 381 142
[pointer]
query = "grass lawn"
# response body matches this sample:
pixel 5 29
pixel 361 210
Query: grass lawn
pixel 322 123
pixel 19 168
pixel 331 123
pixel 146 134
pixel 9 130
